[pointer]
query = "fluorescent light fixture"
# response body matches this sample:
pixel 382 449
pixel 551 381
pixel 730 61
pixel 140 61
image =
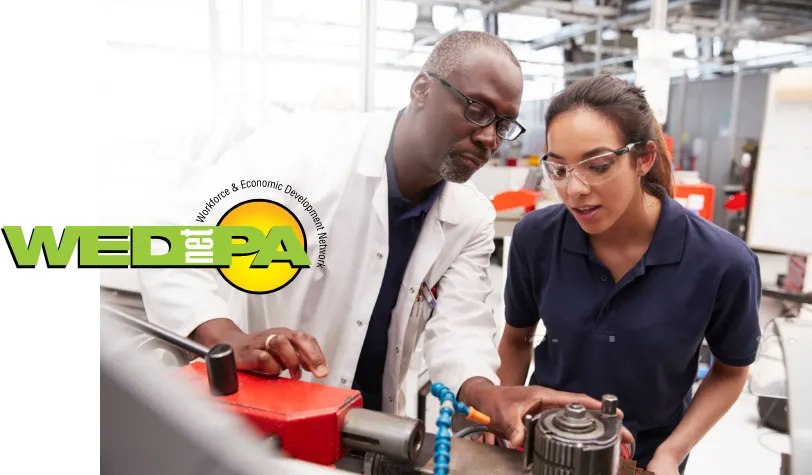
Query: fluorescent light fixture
pixel 610 34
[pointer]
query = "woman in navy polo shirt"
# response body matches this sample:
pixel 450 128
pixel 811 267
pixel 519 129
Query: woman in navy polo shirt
pixel 626 281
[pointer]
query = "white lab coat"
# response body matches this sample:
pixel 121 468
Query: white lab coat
pixel 337 162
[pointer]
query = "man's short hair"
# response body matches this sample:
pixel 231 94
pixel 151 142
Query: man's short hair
pixel 452 50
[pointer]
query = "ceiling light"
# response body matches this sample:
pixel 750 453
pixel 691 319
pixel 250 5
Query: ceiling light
pixel 751 21
pixel 610 34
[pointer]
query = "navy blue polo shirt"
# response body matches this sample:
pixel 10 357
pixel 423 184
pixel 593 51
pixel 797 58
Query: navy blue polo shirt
pixel 638 338
pixel 405 222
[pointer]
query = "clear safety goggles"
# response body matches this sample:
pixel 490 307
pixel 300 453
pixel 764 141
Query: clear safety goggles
pixel 592 171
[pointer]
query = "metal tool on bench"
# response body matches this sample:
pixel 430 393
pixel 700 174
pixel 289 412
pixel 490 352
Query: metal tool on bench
pixel 564 441
pixel 575 441
pixel 311 422
pixel 328 426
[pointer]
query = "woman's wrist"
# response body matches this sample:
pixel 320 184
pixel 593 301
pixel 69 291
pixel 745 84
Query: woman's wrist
pixel 670 451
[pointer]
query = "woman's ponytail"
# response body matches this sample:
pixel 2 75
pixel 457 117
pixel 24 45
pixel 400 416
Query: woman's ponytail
pixel 661 173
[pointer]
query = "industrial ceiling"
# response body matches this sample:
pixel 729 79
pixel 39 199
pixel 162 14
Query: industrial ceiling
pixel 717 24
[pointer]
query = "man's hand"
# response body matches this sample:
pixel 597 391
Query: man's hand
pixel 271 351
pixel 507 406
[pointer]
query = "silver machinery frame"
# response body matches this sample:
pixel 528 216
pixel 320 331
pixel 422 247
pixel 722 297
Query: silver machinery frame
pixel 796 342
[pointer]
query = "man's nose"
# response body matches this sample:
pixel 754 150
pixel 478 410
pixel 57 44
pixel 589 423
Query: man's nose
pixel 575 186
pixel 486 137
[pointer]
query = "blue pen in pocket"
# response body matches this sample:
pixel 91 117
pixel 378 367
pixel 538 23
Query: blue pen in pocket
pixel 427 294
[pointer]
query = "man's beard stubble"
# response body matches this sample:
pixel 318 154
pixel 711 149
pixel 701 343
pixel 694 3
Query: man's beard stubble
pixel 453 169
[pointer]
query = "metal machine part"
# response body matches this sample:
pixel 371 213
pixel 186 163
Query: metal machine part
pixel 575 441
pixel 152 423
pixel 399 438
pixel 220 359
pixel 795 337
pixel 311 422
pixel 167 354
pixel 467 457
pixel 326 425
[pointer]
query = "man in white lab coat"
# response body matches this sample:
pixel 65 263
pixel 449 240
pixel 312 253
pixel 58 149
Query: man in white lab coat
pixel 408 243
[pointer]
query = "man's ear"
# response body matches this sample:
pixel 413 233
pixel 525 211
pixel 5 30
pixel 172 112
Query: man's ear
pixel 420 90
pixel 646 158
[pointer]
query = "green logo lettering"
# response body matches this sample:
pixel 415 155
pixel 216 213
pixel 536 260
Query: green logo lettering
pixel 42 238
pixel 156 246
pixel 281 245
pixel 104 246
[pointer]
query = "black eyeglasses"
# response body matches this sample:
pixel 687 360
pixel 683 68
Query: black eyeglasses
pixel 483 116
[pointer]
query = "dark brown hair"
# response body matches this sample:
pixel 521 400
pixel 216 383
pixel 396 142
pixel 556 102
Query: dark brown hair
pixel 626 107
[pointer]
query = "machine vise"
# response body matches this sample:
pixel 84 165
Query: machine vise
pixel 314 422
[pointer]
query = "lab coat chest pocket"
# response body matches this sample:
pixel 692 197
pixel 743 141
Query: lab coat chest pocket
pixel 424 307
pixel 421 312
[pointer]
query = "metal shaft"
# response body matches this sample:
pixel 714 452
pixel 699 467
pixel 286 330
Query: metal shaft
pixel 221 362
pixel 397 437
pixel 154 330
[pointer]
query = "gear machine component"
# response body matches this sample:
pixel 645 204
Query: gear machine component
pixel 575 441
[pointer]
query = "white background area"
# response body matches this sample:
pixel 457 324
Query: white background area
pixel 782 194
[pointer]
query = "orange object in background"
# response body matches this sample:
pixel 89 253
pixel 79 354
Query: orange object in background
pixel 669 143
pixel 515 199
pixel 697 197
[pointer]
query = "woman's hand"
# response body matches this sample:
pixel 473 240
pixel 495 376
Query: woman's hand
pixel 663 464
pixel 507 406
pixel 490 439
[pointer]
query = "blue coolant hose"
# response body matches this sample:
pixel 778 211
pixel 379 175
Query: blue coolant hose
pixel 442 442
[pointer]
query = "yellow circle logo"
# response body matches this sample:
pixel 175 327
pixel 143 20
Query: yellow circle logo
pixel 263 215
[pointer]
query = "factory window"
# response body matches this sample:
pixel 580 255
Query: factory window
pixel 519 27
pixel 392 88
pixel 163 23
pixel 749 49
pixel 319 11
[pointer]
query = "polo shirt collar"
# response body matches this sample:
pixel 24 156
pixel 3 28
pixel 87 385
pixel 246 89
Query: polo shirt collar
pixel 666 246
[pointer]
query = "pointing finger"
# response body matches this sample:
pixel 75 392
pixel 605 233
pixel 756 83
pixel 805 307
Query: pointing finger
pixel 310 353
pixel 515 435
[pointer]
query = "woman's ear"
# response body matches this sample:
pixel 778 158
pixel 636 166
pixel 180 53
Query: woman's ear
pixel 419 90
pixel 646 157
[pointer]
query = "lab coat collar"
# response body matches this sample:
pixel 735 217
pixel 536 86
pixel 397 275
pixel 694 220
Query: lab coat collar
pixel 376 139
pixel 372 162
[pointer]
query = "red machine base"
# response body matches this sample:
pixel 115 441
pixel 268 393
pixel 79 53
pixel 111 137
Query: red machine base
pixel 306 417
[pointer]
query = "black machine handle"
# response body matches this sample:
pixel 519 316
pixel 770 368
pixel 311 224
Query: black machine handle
pixel 221 363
